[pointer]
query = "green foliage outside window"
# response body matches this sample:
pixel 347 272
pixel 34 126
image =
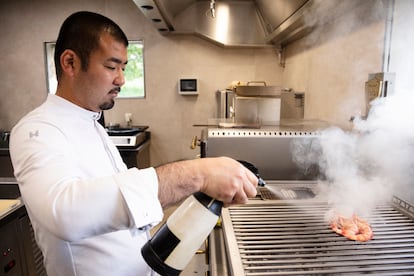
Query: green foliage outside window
pixel 134 72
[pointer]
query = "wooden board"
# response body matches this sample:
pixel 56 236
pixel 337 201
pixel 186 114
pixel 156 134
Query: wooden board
pixel 8 204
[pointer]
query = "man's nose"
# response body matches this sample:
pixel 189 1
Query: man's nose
pixel 120 78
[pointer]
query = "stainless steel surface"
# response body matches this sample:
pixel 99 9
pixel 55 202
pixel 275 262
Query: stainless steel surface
pixel 292 104
pixel 291 237
pixel 129 140
pixel 269 148
pixel 378 85
pixel 262 110
pixel 237 23
pixel 257 89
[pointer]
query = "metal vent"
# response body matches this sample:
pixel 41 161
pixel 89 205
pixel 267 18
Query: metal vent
pixel 259 133
pixel 236 23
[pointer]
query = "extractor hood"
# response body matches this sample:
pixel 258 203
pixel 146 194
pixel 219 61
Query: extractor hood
pixel 231 23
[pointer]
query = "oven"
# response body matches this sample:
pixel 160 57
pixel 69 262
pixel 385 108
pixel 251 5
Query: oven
pixel 284 231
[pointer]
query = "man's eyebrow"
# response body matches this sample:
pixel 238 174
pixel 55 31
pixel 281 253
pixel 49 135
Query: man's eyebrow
pixel 117 60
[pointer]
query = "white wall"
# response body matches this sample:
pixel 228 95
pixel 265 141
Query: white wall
pixel 332 64
pixel 26 24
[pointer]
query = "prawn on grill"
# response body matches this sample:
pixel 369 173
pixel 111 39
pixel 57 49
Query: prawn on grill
pixel 353 228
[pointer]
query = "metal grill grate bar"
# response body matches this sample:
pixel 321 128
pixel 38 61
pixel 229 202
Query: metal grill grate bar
pixel 279 238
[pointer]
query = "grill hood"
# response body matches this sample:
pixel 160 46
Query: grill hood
pixel 236 23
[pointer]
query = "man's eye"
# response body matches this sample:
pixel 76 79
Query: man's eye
pixel 110 67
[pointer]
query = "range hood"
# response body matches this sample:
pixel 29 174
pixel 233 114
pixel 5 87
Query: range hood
pixel 231 23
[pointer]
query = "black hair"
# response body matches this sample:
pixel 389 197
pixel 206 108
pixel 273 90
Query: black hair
pixel 81 32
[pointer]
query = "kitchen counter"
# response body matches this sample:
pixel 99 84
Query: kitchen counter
pixel 10 200
pixel 21 255
pixel 8 206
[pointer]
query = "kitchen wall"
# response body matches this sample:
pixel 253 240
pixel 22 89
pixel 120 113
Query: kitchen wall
pixel 402 45
pixel 330 65
pixel 26 24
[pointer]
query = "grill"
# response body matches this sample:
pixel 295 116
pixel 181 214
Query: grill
pixel 285 232
pixel 291 237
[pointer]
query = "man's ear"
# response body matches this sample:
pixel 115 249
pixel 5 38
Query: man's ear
pixel 69 62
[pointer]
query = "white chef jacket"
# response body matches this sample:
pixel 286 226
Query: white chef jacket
pixel 90 213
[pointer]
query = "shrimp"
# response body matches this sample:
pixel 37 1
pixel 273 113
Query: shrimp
pixel 353 228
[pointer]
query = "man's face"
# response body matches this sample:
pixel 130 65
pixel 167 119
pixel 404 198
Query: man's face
pixel 97 88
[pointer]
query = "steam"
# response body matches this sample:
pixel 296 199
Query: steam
pixel 365 167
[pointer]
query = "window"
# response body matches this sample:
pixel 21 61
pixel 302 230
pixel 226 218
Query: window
pixel 134 72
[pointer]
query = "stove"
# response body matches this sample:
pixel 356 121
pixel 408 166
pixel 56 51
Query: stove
pixel 127 137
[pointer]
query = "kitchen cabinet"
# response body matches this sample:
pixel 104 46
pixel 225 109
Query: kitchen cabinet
pixel 11 262
pixel 19 253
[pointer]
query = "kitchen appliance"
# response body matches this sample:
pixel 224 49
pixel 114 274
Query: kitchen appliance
pixel 263 105
pixel 378 85
pixel 128 140
pixel 269 148
pixel 251 103
pixel 283 230
pixel 133 144
pixel 289 236
pixel 292 105
pixel 127 137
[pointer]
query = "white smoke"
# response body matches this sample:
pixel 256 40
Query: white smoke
pixel 365 167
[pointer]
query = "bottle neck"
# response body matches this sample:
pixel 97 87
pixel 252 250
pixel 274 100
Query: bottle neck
pixel 211 204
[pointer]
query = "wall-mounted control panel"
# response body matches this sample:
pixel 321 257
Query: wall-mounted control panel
pixel 188 86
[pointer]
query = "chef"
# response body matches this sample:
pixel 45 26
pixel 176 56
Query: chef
pixel 91 215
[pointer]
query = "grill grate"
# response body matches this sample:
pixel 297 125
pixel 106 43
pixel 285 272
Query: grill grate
pixel 281 238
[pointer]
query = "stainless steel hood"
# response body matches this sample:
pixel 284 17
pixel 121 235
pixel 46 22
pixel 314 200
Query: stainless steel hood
pixel 231 23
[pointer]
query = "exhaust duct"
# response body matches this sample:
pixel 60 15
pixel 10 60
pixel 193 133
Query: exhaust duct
pixel 230 23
